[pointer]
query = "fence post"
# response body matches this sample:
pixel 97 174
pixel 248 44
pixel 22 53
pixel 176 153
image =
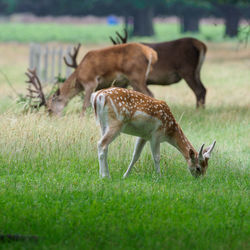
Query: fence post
pixel 53 57
pixel 68 69
pixel 60 58
pixel 48 62
pixel 31 56
pixel 46 65
pixel 38 59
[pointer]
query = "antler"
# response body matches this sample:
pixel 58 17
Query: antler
pixel 73 56
pixel 37 91
pixel 120 39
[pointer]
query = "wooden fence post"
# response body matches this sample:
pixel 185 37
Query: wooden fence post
pixel 48 62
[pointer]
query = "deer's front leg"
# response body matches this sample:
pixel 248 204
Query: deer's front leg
pixel 139 144
pixel 155 149
pixel 89 89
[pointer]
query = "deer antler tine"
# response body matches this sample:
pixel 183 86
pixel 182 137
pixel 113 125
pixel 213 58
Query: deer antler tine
pixel 118 41
pixel 73 57
pixel 124 38
pixel 125 34
pixel 78 47
pixel 33 80
pixel 112 40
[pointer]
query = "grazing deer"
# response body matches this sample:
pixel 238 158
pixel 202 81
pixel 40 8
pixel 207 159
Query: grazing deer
pixel 178 59
pixel 100 67
pixel 130 112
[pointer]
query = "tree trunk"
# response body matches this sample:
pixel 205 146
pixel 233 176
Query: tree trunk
pixel 232 17
pixel 143 22
pixel 189 23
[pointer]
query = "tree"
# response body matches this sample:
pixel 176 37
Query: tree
pixel 190 12
pixel 7 6
pixel 142 13
pixel 231 11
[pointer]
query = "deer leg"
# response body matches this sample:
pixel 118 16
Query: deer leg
pixel 139 144
pixel 143 89
pixel 89 89
pixel 198 88
pixel 155 149
pixel 139 83
pixel 107 138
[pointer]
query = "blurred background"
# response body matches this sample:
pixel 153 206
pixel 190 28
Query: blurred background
pixel 38 34
pixel 140 17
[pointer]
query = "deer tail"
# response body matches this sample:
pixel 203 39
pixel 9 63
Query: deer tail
pixel 202 49
pixel 97 101
pixel 152 58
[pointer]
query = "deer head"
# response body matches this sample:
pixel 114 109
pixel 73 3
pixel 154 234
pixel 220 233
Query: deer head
pixel 198 163
pixel 54 103
pixel 37 96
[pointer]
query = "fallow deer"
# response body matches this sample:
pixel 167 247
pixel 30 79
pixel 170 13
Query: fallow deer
pixel 99 68
pixel 178 59
pixel 130 112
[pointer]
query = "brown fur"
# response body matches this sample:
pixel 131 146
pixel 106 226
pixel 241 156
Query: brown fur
pixel 179 59
pixel 99 68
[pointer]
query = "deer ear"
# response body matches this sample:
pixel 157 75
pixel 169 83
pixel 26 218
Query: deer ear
pixel 191 154
pixel 208 151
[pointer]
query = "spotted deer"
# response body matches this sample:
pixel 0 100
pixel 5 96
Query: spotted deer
pixel 99 68
pixel 122 110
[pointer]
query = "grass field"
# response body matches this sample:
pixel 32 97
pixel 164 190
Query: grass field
pixel 46 32
pixel 49 183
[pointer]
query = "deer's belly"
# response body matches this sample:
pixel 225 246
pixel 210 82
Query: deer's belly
pixel 116 79
pixel 142 125
pixel 163 78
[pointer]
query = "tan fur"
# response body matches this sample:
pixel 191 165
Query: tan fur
pixel 99 68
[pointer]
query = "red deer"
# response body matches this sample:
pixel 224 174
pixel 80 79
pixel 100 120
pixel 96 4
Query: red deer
pixel 178 59
pixel 121 110
pixel 99 68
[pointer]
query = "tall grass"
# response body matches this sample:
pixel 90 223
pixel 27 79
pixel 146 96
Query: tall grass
pixel 50 187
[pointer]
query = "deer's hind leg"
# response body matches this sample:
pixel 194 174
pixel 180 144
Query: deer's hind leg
pixel 109 133
pixel 193 80
pixel 137 79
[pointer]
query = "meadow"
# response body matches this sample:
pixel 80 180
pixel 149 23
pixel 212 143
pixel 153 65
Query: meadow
pixel 95 33
pixel 50 185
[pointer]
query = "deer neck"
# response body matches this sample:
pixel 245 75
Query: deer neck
pixel 69 88
pixel 180 141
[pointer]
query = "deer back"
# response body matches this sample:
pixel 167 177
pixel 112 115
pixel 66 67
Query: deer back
pixel 121 58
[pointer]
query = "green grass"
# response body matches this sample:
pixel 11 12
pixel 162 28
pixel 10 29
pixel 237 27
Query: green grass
pixel 95 33
pixel 50 187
